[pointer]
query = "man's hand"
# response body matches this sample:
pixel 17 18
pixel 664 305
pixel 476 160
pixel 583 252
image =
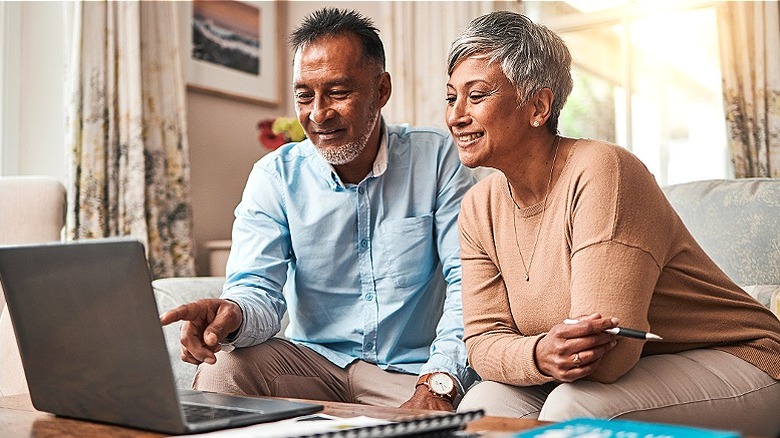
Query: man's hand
pixel 205 324
pixel 423 399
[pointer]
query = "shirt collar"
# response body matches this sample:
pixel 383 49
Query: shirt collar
pixel 380 162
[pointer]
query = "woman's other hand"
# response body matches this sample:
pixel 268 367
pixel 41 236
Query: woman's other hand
pixel 572 351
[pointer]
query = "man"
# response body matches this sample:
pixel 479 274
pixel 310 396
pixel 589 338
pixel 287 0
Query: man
pixel 359 224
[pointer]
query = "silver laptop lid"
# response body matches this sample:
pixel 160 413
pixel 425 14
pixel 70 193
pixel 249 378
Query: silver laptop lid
pixel 88 333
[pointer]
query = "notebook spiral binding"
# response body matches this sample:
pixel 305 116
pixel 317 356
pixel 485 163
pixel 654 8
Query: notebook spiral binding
pixel 430 426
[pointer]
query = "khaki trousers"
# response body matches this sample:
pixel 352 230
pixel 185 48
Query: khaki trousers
pixel 280 368
pixel 704 388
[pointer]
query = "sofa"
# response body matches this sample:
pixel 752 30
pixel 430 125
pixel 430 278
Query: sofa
pixel 32 210
pixel 736 221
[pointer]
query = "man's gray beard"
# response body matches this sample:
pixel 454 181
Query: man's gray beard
pixel 347 153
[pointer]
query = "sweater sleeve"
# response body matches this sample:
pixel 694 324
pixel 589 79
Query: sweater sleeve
pixel 621 230
pixel 615 280
pixel 497 350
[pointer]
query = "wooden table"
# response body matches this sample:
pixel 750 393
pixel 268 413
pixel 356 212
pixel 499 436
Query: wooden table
pixel 18 418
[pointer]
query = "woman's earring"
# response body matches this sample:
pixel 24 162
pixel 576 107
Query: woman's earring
pixel 536 123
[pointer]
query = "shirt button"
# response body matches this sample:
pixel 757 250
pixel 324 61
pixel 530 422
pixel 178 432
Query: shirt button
pixel 364 243
pixel 361 190
pixel 369 297
pixel 369 346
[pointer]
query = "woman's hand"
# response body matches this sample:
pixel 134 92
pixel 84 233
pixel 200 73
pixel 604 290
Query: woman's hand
pixel 569 352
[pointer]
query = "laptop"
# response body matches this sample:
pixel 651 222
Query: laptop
pixel 92 347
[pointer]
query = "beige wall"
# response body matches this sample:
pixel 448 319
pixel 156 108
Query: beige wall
pixel 223 138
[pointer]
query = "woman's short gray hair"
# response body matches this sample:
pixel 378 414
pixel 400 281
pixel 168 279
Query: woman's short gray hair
pixel 531 56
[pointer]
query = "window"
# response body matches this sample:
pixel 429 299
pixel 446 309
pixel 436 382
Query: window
pixel 646 76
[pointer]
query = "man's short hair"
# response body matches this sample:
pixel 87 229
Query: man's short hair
pixel 333 22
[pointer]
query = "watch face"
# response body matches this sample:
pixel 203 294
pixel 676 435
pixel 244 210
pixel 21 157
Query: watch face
pixel 441 384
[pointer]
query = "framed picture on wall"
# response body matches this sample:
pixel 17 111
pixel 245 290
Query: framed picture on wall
pixel 231 49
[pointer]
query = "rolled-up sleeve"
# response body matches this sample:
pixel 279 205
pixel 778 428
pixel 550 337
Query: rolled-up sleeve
pixel 260 253
pixel 448 351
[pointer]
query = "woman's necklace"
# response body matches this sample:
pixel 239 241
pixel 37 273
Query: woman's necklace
pixel 527 269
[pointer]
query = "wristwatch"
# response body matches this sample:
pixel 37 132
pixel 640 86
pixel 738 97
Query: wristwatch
pixel 439 384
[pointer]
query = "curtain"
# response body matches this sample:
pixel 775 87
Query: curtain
pixel 126 131
pixel 417 55
pixel 750 60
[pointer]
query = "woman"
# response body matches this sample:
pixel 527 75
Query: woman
pixel 575 229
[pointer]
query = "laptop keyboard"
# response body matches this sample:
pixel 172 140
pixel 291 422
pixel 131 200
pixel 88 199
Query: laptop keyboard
pixel 195 413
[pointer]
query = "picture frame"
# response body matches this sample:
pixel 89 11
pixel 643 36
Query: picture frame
pixel 231 49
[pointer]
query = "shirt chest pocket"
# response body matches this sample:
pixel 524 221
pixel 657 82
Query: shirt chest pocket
pixel 406 251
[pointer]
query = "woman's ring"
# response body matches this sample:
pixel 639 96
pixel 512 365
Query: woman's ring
pixel 577 360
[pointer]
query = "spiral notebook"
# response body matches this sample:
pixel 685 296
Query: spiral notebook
pixel 434 425
pixel 439 424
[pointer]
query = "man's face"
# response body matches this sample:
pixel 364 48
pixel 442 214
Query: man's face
pixel 338 96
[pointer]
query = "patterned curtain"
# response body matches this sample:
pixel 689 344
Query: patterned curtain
pixel 750 60
pixel 126 131
pixel 417 55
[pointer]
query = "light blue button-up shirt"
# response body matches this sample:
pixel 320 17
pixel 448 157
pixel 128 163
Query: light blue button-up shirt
pixel 370 271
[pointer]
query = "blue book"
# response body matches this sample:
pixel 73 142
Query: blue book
pixel 600 428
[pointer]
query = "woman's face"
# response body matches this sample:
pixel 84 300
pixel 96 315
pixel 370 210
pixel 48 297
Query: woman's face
pixel 482 113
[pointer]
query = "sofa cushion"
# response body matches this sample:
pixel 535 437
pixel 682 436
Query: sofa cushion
pixel 737 222
pixel 173 292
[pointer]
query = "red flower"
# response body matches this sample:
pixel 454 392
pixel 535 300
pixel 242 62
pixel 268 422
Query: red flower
pixel 267 137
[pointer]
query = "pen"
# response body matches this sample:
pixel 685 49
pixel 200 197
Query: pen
pixel 627 332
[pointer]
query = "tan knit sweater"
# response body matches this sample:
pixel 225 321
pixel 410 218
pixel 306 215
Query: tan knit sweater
pixel 610 243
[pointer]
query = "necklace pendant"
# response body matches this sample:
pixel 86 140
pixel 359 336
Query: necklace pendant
pixel 526 277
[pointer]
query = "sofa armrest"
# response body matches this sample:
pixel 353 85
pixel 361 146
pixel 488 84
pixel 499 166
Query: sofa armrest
pixel 173 292
pixel 774 301
pixel 768 295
